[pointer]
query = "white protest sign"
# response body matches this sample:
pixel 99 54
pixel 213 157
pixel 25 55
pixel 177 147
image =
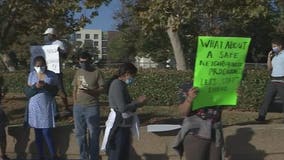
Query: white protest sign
pixel 51 55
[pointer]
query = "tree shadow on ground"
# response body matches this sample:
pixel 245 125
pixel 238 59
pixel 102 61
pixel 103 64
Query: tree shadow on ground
pixel 147 156
pixel 21 135
pixel 155 156
pixel 238 146
pixel 253 122
pixel 61 139
pixel 133 154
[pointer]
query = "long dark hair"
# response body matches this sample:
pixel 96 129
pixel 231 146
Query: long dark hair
pixel 123 69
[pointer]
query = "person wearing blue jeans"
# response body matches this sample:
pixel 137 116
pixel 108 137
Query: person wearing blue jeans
pixel 46 133
pixel 88 83
pixel 87 117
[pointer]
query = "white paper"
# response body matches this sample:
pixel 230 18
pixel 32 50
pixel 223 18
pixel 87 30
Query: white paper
pixel 51 55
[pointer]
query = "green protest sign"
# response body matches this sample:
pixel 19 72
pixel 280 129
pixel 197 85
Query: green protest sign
pixel 218 70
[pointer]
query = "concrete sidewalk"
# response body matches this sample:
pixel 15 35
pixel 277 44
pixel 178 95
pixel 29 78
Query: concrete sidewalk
pixel 255 142
pixel 246 142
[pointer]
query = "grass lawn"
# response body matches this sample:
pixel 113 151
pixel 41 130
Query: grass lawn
pixel 14 106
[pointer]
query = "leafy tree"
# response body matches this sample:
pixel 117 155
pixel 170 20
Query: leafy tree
pixel 157 46
pixel 208 16
pixel 121 49
pixel 23 22
pixel 124 46
pixel 133 42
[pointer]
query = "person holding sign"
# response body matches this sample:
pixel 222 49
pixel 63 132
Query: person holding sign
pixel 88 84
pixel 275 64
pixel 201 136
pixel 50 38
pixel 42 87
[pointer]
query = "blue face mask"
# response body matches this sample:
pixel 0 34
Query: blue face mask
pixel 129 81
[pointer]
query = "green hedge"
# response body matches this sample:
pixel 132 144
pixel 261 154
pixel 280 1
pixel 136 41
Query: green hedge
pixel 160 86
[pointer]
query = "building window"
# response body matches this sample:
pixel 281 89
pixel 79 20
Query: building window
pixel 105 36
pixel 104 57
pixel 88 43
pixel 78 36
pixel 104 43
pixel 96 36
pixel 104 50
pixel 87 36
pixel 96 43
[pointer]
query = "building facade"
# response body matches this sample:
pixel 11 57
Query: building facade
pixel 95 38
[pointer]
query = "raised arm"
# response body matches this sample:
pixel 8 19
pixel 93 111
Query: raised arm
pixel 269 59
pixel 185 106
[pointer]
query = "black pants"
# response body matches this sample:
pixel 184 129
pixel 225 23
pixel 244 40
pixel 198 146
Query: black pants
pixel 271 89
pixel 196 148
pixel 61 87
pixel 121 146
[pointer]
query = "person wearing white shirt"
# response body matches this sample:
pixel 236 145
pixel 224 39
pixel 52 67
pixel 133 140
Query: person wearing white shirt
pixel 275 64
pixel 51 38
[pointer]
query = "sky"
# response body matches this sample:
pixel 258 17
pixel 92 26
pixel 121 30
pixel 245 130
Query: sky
pixel 104 20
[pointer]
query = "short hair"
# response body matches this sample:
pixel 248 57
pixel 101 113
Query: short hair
pixel 39 59
pixel 85 55
pixel 278 41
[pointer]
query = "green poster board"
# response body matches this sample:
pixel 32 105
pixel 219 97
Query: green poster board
pixel 218 70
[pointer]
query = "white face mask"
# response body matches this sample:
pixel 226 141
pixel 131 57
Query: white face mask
pixel 39 69
pixel 275 50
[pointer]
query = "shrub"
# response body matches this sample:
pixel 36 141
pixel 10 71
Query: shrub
pixel 252 88
pixel 159 86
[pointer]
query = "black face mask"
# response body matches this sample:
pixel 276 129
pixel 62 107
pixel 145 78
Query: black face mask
pixel 85 65
pixel 47 39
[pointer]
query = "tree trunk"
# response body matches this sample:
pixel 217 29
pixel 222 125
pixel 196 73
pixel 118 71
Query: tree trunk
pixel 176 44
